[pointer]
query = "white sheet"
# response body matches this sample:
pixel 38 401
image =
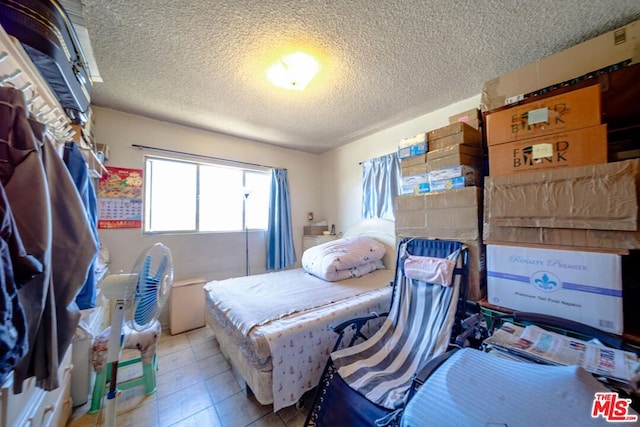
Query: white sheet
pixel 293 373
pixel 254 300
pixel 300 345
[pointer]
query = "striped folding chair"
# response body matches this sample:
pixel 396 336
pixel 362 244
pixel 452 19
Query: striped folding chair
pixel 367 384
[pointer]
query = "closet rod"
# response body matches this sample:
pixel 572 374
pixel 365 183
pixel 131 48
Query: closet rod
pixel 201 156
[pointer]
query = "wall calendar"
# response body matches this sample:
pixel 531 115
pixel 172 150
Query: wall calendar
pixel 120 198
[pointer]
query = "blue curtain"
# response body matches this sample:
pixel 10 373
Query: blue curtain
pixel 280 250
pixel 381 182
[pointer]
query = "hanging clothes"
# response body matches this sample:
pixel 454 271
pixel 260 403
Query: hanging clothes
pixel 24 173
pixel 79 172
pixel 74 245
pixel 54 229
pixel 16 268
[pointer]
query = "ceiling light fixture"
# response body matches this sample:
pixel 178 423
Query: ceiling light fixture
pixel 293 71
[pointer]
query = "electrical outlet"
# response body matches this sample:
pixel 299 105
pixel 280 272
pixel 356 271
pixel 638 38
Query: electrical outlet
pixel 310 216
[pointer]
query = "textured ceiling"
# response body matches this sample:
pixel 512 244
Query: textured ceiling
pixel 202 63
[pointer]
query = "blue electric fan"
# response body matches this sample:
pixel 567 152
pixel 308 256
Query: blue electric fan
pixel 139 298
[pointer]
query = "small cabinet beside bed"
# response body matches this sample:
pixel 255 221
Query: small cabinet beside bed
pixel 309 240
pixel 274 328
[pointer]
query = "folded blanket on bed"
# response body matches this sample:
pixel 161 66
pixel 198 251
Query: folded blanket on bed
pixel 344 258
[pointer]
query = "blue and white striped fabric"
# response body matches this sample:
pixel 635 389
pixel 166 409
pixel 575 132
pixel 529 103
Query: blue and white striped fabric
pixel 476 389
pixel 418 328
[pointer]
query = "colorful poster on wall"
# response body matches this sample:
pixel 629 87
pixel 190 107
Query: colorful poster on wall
pixel 120 198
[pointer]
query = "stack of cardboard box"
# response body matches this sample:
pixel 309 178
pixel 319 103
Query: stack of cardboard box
pixel 556 132
pixel 412 153
pixel 560 223
pixel 558 219
pixel 448 205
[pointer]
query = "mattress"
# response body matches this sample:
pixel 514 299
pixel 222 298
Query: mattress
pixel 296 344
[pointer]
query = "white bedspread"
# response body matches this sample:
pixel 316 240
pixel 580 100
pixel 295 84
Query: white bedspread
pixel 300 345
pixel 254 300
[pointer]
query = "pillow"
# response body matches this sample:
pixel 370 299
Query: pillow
pixel 341 255
pixel 438 271
pixel 361 270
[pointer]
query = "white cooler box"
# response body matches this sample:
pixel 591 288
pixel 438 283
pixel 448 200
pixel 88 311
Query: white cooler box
pixel 585 287
pixel 186 305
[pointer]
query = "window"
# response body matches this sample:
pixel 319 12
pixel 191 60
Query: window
pixel 183 196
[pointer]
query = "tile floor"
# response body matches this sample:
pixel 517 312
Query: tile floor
pixel 195 387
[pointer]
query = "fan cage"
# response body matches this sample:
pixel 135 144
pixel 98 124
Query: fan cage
pixel 150 290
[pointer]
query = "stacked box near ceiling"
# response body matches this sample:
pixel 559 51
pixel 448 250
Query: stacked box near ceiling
pixel 412 153
pixel 445 202
pixel 559 221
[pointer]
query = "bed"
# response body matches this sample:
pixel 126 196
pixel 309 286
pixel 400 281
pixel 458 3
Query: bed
pixel 281 356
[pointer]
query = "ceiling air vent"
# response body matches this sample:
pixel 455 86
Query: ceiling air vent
pixel 75 10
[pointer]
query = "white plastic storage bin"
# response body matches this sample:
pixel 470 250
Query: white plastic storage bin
pixel 186 305
pixel 83 375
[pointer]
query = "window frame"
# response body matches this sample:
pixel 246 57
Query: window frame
pixel 243 167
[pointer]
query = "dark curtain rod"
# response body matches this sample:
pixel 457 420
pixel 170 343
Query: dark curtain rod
pixel 201 156
pixel 384 155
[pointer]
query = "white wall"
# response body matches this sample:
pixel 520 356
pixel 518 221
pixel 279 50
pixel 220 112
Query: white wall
pixel 342 173
pixel 336 196
pixel 216 255
pixel 331 187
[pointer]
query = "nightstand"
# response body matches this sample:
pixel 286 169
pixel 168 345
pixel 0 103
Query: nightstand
pixel 309 240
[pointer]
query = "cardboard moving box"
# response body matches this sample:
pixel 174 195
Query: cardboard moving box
pixel 451 215
pixel 611 48
pixel 564 238
pixel 471 117
pixel 451 129
pixel 457 133
pixel 414 170
pixel 587 146
pixel 582 286
pixel 454 214
pixel 410 183
pixel 418 159
pixel 571 110
pixel 455 155
pixel 412 150
pixel 598 197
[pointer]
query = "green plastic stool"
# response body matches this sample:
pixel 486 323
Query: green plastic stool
pixel 148 379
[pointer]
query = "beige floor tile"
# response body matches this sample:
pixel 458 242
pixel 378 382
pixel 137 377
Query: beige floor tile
pixel 170 344
pixel 80 418
pixel 291 412
pixel 175 360
pixel 222 386
pixel 213 365
pixel 196 388
pixel 207 348
pixel 298 420
pixel 269 420
pixel 240 411
pixel 183 404
pixel 205 418
pixel 129 372
pixel 145 415
pixel 199 335
pixel 131 399
pixel 178 379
